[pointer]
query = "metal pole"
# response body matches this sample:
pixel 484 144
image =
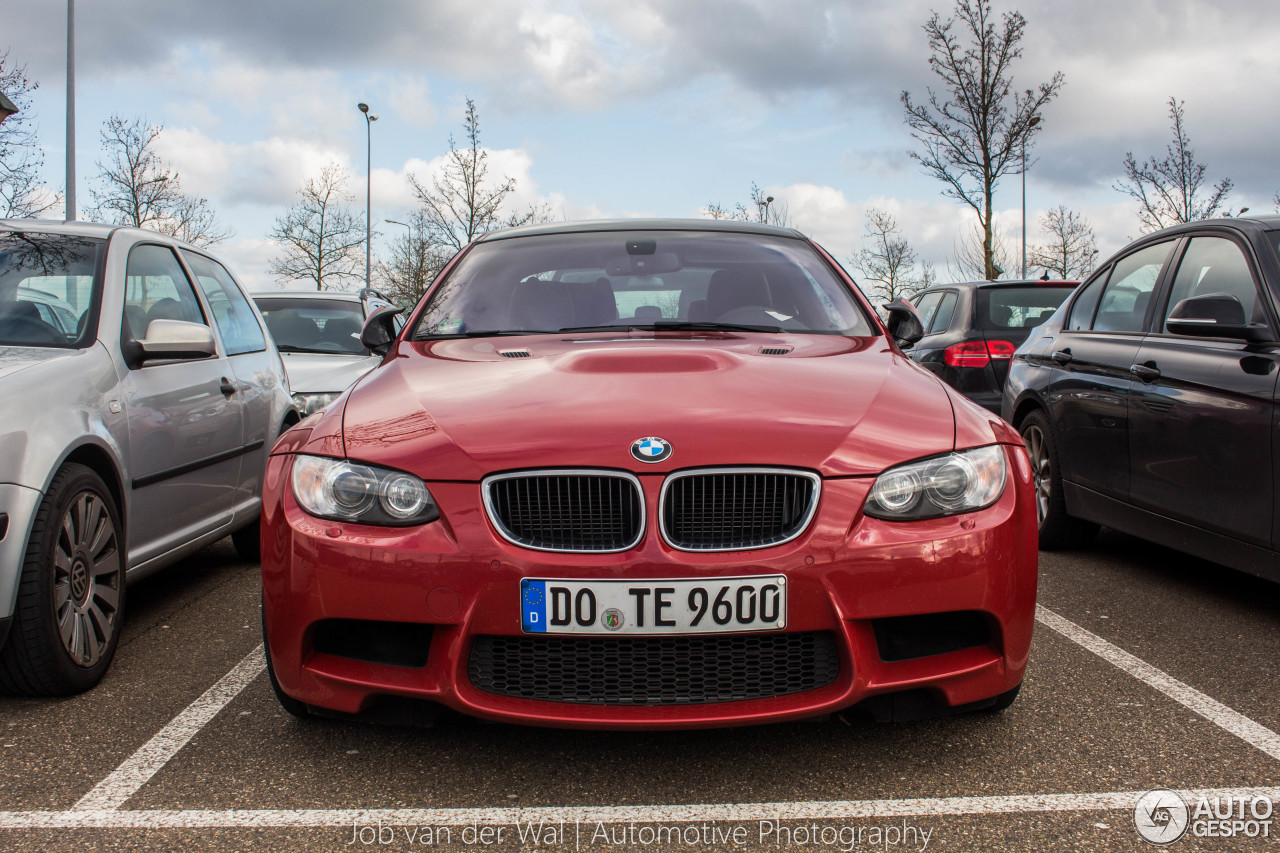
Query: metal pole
pixel 368 201
pixel 71 110
pixel 1024 208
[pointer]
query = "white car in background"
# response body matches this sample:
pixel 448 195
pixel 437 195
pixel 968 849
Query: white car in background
pixel 318 335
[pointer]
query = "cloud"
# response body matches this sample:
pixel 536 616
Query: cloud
pixel 268 172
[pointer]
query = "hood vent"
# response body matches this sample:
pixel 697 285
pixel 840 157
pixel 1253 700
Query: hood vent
pixel 515 353
pixel 775 350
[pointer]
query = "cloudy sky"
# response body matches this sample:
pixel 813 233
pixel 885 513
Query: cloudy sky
pixel 601 108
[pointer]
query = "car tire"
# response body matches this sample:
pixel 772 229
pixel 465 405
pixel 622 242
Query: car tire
pixel 293 706
pixel 1058 530
pixel 71 593
pixel 248 541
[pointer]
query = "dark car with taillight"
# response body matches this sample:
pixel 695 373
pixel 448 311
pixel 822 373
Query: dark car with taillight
pixel 972 329
pixel 1148 404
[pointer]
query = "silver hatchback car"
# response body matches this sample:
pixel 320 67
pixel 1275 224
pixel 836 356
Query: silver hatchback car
pixel 134 430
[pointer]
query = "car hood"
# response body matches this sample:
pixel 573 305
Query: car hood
pixel 323 373
pixel 461 409
pixel 15 359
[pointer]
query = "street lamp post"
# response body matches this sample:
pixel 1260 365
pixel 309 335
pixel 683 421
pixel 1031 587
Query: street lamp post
pixel 767 201
pixel 369 119
pixel 71 111
pixel 1030 125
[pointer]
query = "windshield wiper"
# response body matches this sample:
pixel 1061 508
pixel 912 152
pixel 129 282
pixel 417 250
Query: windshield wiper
pixel 483 333
pixel 293 348
pixel 675 326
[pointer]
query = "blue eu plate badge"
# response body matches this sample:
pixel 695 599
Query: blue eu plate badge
pixel 533 605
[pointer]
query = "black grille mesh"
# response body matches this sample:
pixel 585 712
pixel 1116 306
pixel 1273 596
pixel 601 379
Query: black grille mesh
pixel 568 512
pixel 711 512
pixel 684 670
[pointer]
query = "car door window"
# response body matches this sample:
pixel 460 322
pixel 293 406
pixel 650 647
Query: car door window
pixel 942 316
pixel 1081 316
pixel 1124 301
pixel 926 305
pixel 231 312
pixel 1215 265
pixel 156 288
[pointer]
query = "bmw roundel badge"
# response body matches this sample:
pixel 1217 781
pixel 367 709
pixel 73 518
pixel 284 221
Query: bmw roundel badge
pixel 651 449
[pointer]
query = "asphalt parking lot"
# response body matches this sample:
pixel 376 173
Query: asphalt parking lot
pixel 1150 670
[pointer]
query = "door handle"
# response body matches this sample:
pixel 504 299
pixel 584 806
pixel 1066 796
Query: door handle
pixel 1146 371
pixel 1062 356
pixel 226 387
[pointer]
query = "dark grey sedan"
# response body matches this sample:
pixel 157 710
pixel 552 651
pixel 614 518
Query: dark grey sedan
pixel 141 397
pixel 1148 401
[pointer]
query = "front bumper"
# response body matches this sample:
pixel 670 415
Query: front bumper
pixel 846 572
pixel 19 503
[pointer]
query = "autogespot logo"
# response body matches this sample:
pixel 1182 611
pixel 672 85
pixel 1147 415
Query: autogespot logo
pixel 1161 816
pixel 650 449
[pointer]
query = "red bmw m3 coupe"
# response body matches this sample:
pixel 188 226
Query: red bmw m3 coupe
pixel 648 474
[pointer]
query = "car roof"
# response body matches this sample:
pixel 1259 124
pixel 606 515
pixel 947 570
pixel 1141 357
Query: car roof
pixel 604 225
pixel 344 295
pixel 80 228
pixel 1015 282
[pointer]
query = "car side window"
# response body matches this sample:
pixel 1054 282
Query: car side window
pixel 942 317
pixel 156 288
pixel 1123 304
pixel 1081 316
pixel 926 305
pixel 231 312
pixel 1214 265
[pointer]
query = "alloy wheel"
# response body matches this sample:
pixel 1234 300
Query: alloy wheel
pixel 1041 469
pixel 86 579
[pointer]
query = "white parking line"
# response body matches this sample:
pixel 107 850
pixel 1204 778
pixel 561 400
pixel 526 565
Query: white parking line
pixel 1253 733
pixel 101 807
pixel 712 813
pixel 137 769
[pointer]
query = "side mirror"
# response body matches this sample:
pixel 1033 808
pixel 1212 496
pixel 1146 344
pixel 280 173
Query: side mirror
pixel 168 339
pixel 1213 315
pixel 379 330
pixel 904 323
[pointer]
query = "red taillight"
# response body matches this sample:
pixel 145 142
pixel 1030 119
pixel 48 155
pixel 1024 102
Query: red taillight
pixel 977 353
pixel 1000 349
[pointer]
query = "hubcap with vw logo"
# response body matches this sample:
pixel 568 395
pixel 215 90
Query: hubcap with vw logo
pixel 650 449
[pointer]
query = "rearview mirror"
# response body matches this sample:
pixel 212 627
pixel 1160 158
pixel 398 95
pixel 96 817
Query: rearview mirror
pixel 1213 315
pixel 650 264
pixel 379 330
pixel 168 339
pixel 904 323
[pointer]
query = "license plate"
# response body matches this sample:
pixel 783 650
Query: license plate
pixel 701 606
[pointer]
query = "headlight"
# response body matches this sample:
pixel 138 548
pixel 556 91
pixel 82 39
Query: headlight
pixel 349 491
pixel 308 403
pixel 943 485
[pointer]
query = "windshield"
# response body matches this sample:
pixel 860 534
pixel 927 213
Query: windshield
pixel 49 289
pixel 1003 308
pixel 648 280
pixel 313 325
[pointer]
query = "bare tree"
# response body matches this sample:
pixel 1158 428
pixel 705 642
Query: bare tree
pixel 1169 191
pixel 766 209
pixel 1071 248
pixel 461 203
pixel 135 187
pixel 974 259
pixel 978 130
pixel 320 238
pixel 22 193
pixel 416 258
pixel 889 259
